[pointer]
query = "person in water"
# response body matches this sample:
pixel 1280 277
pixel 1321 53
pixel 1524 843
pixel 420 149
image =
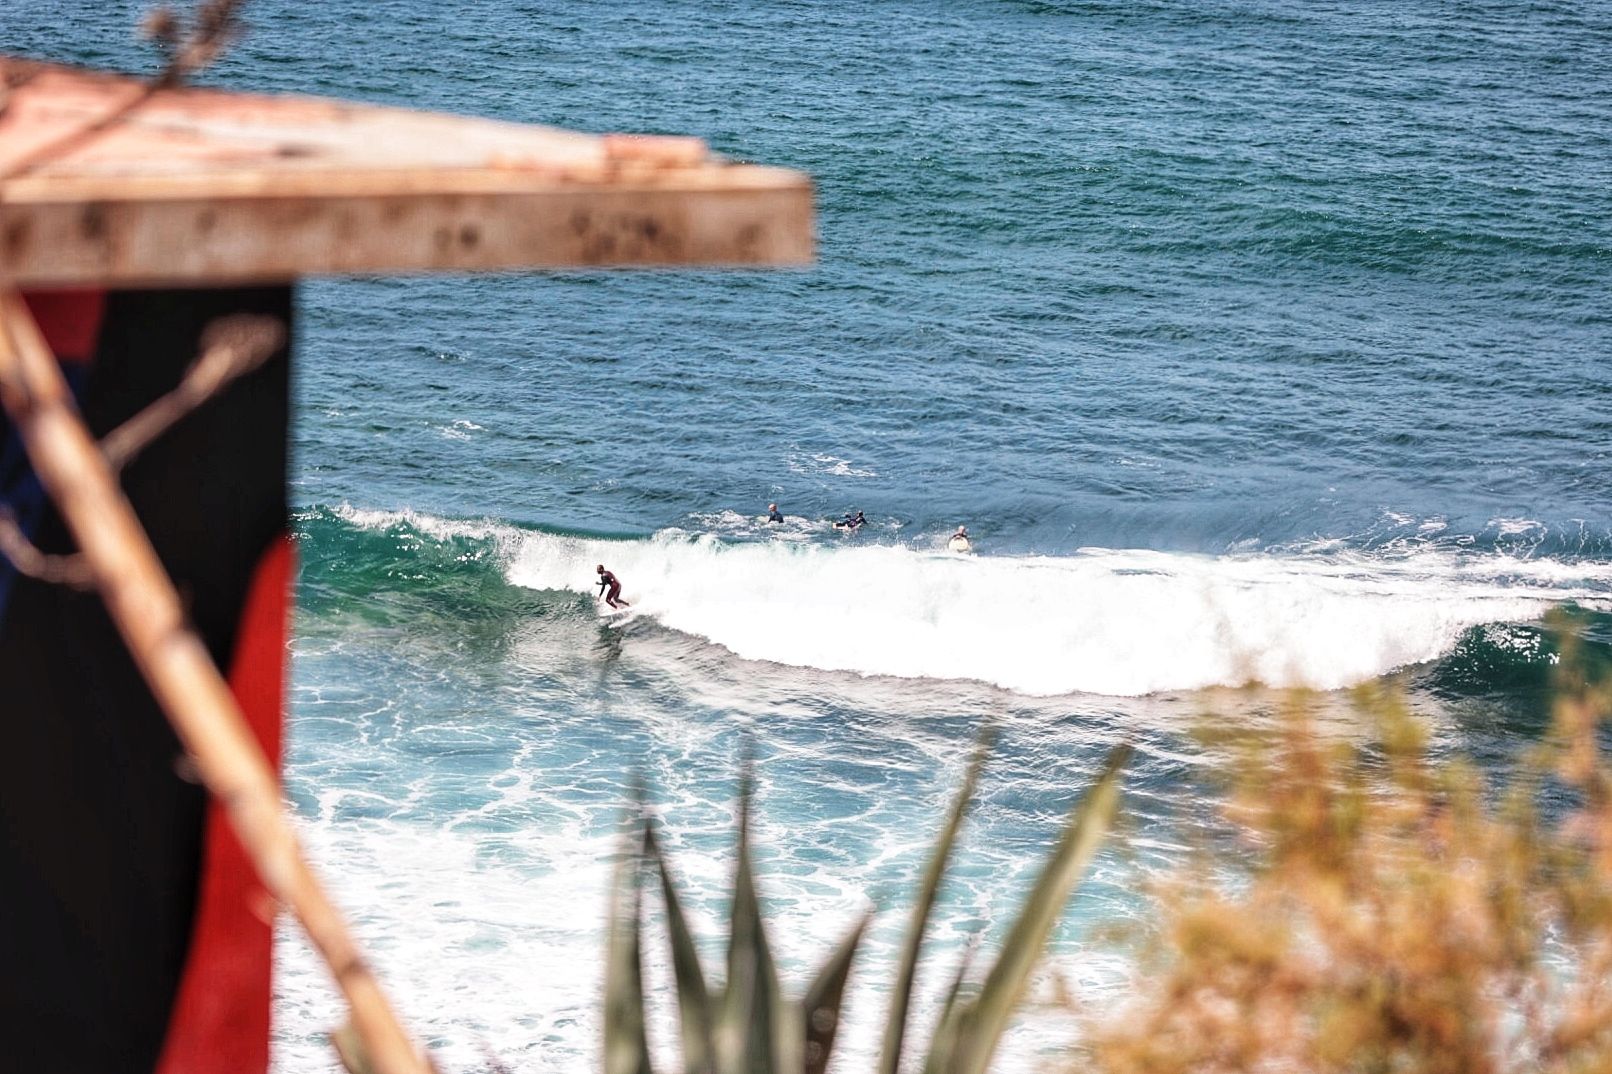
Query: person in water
pixel 959 541
pixel 851 522
pixel 608 581
pixel 773 514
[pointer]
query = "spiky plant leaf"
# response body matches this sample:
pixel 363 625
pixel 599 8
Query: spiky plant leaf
pixel 694 1001
pixel 943 1039
pixel 747 1027
pixel 350 1049
pixel 984 1019
pixel 626 1047
pixel 820 1009
pixel 895 1027
pixel 789 1036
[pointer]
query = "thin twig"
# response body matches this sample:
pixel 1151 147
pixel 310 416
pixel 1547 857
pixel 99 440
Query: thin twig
pixel 30 562
pixel 77 137
pixel 12 80
pixel 217 22
pixel 231 347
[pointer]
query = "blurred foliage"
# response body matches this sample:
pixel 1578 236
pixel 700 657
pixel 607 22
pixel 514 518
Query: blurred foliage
pixel 1390 911
pixel 748 1026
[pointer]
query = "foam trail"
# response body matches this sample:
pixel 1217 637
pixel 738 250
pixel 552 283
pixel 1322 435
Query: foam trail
pixel 1122 623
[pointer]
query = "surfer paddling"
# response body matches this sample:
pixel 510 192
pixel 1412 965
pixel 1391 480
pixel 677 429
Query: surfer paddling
pixel 610 588
pixel 959 541
pixel 851 522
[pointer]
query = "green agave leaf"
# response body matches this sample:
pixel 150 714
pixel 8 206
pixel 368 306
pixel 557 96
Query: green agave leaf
pixel 350 1049
pixel 626 1047
pixel 948 1026
pixel 748 1026
pixel 694 1001
pixel 820 1009
pixel 895 1028
pixel 985 1018
pixel 789 1036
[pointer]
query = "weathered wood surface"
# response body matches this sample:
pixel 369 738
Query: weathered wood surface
pixel 202 186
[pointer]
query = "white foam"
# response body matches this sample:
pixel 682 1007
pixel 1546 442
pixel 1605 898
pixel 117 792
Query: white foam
pixel 459 430
pixel 828 465
pixel 439 529
pixel 1123 623
pixel 1512 527
pixel 507 965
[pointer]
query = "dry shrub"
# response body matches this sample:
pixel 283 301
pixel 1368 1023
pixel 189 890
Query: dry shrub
pixel 1393 913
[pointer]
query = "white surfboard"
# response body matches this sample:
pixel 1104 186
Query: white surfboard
pixel 616 615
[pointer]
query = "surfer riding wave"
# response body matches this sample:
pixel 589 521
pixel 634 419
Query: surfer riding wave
pixel 610 588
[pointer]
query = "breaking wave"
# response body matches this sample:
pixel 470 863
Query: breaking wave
pixel 1099 621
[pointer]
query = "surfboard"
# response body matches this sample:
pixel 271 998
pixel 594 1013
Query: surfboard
pixel 960 545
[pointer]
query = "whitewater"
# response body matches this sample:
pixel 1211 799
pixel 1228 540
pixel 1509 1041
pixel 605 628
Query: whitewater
pixel 1116 622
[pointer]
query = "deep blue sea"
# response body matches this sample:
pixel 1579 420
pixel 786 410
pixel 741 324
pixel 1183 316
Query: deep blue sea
pixel 1253 341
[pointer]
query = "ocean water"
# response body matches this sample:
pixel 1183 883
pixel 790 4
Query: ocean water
pixel 1254 341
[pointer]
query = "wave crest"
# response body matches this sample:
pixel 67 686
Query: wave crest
pixel 1114 622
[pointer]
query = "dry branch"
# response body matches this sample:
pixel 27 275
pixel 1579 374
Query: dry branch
pixel 231 347
pixel 28 560
pixel 215 23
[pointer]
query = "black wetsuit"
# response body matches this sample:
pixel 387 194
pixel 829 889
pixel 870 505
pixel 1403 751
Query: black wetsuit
pixel 613 598
pixel 775 516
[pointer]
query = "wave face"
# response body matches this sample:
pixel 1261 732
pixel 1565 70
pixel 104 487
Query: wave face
pixel 1101 621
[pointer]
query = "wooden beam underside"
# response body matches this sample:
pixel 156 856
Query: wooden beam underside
pixel 200 186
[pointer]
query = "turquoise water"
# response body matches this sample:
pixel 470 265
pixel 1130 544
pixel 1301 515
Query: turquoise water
pixel 1259 340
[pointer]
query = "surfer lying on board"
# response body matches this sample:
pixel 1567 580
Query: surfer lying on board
pixel 851 522
pixel 608 581
pixel 773 514
pixel 960 541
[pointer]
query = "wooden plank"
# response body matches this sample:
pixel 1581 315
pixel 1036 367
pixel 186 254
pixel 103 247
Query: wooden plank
pixel 148 243
pixel 198 186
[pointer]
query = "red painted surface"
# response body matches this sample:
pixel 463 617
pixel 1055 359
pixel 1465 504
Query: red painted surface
pixel 220 1019
pixel 70 320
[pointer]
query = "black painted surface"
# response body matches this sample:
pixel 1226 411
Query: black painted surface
pixel 100 834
